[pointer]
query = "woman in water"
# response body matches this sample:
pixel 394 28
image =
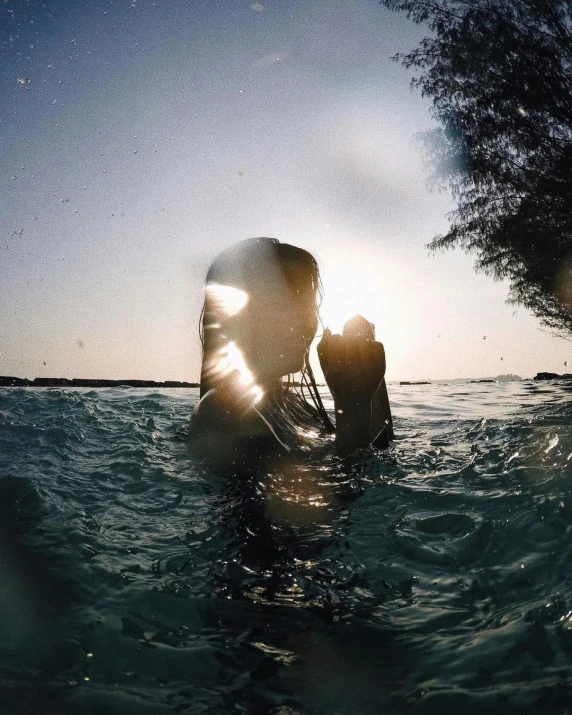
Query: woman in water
pixel 259 319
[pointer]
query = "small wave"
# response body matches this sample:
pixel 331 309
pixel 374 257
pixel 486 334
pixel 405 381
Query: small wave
pixel 433 576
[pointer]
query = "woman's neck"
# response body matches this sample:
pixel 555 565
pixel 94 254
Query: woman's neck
pixel 272 392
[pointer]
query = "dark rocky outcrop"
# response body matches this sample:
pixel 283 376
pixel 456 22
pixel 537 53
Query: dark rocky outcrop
pixel 553 376
pixel 6 381
pixel 50 382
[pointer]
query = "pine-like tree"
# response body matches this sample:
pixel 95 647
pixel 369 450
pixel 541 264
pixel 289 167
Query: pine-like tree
pixel 499 73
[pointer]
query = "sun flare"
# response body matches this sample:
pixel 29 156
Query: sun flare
pixel 227 300
pixel 349 292
pixel 229 359
pixel 374 285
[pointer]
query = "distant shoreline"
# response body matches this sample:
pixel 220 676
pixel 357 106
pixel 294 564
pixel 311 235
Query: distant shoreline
pixel 6 381
pixel 9 381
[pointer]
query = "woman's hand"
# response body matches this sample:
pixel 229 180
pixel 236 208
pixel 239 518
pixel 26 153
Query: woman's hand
pixel 353 365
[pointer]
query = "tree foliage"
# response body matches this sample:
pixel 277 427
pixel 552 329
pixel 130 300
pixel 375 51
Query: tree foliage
pixel 499 73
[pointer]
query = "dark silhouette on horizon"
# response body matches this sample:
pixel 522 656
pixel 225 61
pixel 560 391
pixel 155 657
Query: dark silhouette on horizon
pixel 8 381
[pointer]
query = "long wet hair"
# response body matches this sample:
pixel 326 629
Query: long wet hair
pixel 258 263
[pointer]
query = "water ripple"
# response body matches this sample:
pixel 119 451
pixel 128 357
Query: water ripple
pixel 431 578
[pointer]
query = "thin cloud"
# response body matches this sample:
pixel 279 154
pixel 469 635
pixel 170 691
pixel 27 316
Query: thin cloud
pixel 269 60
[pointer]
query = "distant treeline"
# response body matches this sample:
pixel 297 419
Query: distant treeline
pixel 64 382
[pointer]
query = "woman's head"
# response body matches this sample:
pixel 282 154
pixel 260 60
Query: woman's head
pixel 261 297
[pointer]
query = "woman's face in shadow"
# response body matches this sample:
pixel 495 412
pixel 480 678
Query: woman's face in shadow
pixel 274 331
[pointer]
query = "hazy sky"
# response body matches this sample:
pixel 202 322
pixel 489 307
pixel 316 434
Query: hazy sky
pixel 138 139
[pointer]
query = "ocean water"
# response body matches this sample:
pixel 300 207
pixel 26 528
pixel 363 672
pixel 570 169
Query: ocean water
pixel 434 578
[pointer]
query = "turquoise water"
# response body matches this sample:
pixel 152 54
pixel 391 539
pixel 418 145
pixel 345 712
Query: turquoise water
pixel 435 578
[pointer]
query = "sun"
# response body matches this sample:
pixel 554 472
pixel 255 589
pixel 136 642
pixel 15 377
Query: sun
pixel 370 283
pixel 348 292
pixel 356 284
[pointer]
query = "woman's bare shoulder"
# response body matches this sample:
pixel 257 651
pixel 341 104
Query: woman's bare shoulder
pixel 220 429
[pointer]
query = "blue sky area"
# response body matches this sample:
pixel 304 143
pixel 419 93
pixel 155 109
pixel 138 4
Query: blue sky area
pixel 141 138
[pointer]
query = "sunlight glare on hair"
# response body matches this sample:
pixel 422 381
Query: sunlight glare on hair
pixel 227 300
pixel 230 359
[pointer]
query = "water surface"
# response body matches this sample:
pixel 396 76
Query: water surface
pixel 432 578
